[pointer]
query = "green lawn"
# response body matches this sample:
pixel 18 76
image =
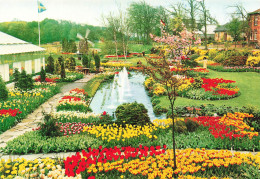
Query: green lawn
pixel 248 83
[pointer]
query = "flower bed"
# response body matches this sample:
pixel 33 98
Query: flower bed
pixel 157 162
pixel 198 88
pixel 141 162
pixel 188 135
pixel 70 77
pixel 118 56
pixel 229 126
pixel 75 100
pixel 116 64
pixel 26 102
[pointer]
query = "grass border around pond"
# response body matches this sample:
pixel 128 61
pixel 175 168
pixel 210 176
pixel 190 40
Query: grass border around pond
pixel 92 86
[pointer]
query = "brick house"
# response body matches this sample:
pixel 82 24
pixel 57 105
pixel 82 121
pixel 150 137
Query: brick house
pixel 254 23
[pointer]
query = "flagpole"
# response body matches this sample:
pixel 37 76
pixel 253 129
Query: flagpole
pixel 39 29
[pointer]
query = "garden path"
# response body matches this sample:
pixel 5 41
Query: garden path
pixel 32 120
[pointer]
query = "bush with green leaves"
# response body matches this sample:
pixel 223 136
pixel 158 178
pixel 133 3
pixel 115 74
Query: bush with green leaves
pixel 49 127
pixel 50 65
pixel 85 61
pixel 191 62
pixel 25 81
pixel 16 75
pixel 191 125
pixel 62 67
pixel 3 90
pixel 132 113
pixel 43 75
pixel 70 63
pixel 197 82
pixel 97 61
pixel 57 67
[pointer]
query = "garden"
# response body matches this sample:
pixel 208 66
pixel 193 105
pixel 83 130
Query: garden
pixel 145 116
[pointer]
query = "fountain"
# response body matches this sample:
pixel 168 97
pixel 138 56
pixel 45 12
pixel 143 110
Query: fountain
pixel 123 89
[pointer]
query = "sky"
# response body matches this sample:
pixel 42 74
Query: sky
pixel 91 11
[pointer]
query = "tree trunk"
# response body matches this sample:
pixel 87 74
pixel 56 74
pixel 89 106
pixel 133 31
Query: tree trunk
pixel 115 44
pixel 173 140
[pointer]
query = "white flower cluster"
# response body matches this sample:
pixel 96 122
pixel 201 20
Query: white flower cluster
pixel 71 114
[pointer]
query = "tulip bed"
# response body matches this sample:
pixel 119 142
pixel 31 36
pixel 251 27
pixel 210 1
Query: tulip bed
pixel 138 162
pixel 201 89
pixel 227 132
pixel 75 100
pixel 70 77
pixel 21 103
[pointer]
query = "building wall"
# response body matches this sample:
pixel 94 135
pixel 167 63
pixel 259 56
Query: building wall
pixel 222 36
pixel 254 24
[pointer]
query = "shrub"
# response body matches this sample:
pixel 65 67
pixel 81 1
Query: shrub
pixel 105 118
pixel 158 110
pixel 235 61
pixel 220 58
pixel 62 67
pixel 155 101
pixel 50 65
pixel 85 61
pixel 3 90
pixel 253 61
pixel 70 64
pixel 197 83
pixel 25 82
pixel 49 127
pixel 57 67
pixel 43 75
pixel 97 61
pixel 191 125
pixel 191 62
pixel 180 127
pixel 16 75
pixel 132 113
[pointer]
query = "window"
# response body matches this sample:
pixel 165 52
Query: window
pixel 255 35
pixel 255 20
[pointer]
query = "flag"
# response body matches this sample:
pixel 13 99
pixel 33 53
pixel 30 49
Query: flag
pixel 162 23
pixel 41 7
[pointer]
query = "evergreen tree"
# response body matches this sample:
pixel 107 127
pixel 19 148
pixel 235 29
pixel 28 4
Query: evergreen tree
pixel 57 67
pixel 72 64
pixel 72 46
pixel 50 65
pixel 97 61
pixel 25 82
pixel 16 75
pixel 85 60
pixel 3 90
pixel 65 45
pixel 43 75
pixel 62 67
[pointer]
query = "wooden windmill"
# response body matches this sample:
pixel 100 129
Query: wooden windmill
pixel 84 42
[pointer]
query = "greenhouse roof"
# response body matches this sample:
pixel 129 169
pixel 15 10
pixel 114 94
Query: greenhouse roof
pixel 13 45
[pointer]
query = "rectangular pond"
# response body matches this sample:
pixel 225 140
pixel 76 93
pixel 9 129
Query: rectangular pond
pixel 123 89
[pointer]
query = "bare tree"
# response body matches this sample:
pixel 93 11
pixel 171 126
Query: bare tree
pixel 241 13
pixel 204 19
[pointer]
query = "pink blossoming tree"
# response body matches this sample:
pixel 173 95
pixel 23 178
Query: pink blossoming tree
pixel 179 47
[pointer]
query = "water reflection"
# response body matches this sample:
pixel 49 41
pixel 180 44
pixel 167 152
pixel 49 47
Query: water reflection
pixel 121 90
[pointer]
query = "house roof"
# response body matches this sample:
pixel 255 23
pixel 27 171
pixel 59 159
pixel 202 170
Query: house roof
pixel 221 28
pixel 255 12
pixel 13 45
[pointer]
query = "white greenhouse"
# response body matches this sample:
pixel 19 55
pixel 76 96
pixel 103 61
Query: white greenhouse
pixel 16 53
